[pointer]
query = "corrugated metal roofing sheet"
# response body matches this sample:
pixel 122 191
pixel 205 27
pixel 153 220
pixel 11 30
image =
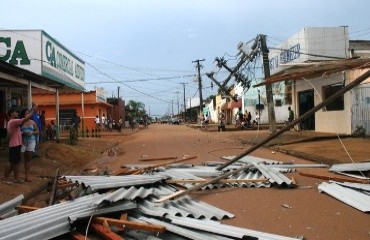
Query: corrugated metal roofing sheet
pixel 184 206
pixel 215 228
pixel 349 196
pixel 350 167
pixel 7 209
pixel 189 234
pixel 246 175
pixel 107 182
pixel 51 221
pixel 273 175
pixel 358 186
pixel 252 159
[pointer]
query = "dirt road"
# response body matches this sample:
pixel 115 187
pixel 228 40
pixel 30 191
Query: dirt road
pixel 290 212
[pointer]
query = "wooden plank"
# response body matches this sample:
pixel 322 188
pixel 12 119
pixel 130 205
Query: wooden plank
pixel 179 181
pixel 333 178
pixel 131 224
pixel 159 158
pixel 105 233
pixel 139 171
pixel 77 236
pixel 26 209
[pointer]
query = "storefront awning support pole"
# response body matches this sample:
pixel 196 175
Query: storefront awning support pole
pixel 341 92
pixel 29 97
pixel 83 115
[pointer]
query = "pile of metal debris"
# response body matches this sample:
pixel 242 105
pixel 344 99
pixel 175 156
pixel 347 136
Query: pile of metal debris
pixel 154 204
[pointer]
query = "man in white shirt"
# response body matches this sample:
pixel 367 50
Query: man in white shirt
pixel 103 121
pixel 97 122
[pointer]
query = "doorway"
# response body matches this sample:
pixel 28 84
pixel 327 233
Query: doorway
pixel 306 103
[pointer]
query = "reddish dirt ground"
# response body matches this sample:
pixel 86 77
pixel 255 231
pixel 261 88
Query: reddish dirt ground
pixel 311 214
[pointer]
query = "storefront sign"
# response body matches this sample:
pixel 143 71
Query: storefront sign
pixel 36 51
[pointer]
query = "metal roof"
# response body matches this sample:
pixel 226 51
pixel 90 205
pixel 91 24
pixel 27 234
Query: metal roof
pixel 184 206
pixel 252 159
pixel 7 209
pixel 349 196
pixel 350 167
pixel 51 221
pixel 358 186
pixel 107 182
pixel 184 225
pixel 273 175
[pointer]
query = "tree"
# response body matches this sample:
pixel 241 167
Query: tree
pixel 135 109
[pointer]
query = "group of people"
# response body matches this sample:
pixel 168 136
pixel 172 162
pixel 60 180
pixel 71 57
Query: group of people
pixel 107 123
pixel 24 135
pixel 244 120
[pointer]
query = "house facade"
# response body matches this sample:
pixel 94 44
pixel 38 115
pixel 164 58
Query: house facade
pixel 31 61
pixel 87 105
pixel 314 64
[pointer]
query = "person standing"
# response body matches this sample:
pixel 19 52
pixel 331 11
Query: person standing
pixel 30 132
pixel 36 118
pixel 120 123
pixel 97 122
pixel 103 121
pixel 15 144
pixel 291 114
pixel 257 119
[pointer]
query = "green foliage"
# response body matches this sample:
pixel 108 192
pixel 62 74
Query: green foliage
pixel 135 109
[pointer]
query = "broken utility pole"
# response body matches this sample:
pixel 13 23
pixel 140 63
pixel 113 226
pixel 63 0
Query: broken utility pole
pixel 350 86
pixel 233 72
pixel 341 92
pixel 269 93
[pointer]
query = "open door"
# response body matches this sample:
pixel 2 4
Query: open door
pixel 306 103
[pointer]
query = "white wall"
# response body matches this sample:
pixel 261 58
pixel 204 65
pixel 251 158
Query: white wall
pixel 327 121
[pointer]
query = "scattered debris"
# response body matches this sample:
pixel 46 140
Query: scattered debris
pixel 354 198
pixel 285 205
pixel 155 159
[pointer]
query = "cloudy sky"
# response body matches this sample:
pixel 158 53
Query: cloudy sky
pixel 146 47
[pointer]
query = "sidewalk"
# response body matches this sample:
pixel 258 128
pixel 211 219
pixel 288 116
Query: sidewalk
pixel 319 147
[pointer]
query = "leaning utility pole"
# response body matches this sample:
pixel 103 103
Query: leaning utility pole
pixel 184 115
pixel 269 94
pixel 200 86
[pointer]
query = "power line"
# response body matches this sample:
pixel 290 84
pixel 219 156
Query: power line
pixel 146 94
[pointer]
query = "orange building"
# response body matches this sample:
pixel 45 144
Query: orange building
pixel 94 105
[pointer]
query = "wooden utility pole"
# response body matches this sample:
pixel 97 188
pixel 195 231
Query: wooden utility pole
pixel 324 103
pixel 118 103
pixel 269 94
pixel 178 104
pixel 184 115
pixel 199 86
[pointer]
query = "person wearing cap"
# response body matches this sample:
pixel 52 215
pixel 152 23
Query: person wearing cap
pixel 15 144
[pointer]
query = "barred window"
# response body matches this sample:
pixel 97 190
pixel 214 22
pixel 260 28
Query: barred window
pixel 328 91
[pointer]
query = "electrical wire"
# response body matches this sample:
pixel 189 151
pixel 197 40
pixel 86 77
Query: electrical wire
pixel 337 133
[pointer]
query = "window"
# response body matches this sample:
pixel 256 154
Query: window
pixel 288 92
pixel 337 104
pixel 278 103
